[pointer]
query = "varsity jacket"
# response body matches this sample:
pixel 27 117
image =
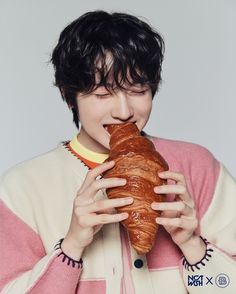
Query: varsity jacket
pixel 36 201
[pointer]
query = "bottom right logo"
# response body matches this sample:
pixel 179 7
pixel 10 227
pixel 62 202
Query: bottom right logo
pixel 222 280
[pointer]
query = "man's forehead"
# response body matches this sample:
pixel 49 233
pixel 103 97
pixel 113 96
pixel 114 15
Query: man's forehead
pixel 105 65
pixel 104 69
pixel 104 62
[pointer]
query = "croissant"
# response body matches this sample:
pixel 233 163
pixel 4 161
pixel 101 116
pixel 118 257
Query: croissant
pixel 136 160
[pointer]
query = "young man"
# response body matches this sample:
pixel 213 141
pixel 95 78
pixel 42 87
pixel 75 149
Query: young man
pixel 108 69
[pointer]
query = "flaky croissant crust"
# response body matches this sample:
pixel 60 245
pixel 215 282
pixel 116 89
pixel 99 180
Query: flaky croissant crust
pixel 136 160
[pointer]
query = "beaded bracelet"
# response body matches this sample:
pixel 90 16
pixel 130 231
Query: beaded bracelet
pixel 70 260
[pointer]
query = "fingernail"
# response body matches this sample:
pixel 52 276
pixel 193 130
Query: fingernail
pixel 128 200
pixel 159 221
pixel 157 189
pixel 161 173
pixel 154 205
pixel 124 215
pixel 123 182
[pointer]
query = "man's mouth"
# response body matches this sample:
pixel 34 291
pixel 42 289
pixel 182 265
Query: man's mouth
pixel 106 127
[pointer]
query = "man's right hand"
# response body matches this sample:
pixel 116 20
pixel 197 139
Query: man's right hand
pixel 89 215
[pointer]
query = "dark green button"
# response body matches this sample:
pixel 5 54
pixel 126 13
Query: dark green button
pixel 138 263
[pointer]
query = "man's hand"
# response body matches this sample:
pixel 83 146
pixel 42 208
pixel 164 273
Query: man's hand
pixel 179 217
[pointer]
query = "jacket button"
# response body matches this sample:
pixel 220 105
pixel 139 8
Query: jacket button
pixel 138 263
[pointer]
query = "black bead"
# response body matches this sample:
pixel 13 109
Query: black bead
pixel 138 263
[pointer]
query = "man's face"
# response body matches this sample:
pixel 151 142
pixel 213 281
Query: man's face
pixel 101 108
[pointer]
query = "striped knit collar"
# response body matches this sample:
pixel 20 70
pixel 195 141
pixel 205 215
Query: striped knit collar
pixel 82 152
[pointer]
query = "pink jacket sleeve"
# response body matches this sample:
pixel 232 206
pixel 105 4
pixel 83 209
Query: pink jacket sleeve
pixel 215 199
pixel 25 267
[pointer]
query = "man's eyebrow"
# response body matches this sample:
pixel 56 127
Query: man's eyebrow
pixel 139 86
pixel 99 89
pixel 98 86
pixel 110 87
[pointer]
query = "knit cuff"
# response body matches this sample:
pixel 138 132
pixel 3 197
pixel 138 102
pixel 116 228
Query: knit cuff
pixel 70 261
pixel 198 265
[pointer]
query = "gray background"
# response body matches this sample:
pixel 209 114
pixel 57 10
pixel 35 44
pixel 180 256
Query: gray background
pixel 196 101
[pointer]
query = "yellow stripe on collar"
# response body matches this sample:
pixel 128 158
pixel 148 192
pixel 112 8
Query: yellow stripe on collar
pixel 86 153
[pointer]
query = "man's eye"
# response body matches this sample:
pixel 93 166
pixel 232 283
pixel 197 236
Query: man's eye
pixel 102 95
pixel 142 92
pixel 138 92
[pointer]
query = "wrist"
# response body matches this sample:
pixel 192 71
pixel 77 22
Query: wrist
pixel 71 249
pixel 194 249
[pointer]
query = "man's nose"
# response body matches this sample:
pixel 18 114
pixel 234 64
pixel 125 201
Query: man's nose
pixel 121 108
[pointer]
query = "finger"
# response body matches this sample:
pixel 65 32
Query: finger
pixel 173 189
pixel 95 172
pixel 183 222
pixel 178 206
pixel 88 195
pixel 106 183
pixel 169 189
pixel 103 205
pixel 176 176
pixel 101 219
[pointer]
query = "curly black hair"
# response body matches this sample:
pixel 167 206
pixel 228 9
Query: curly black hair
pixel 80 56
